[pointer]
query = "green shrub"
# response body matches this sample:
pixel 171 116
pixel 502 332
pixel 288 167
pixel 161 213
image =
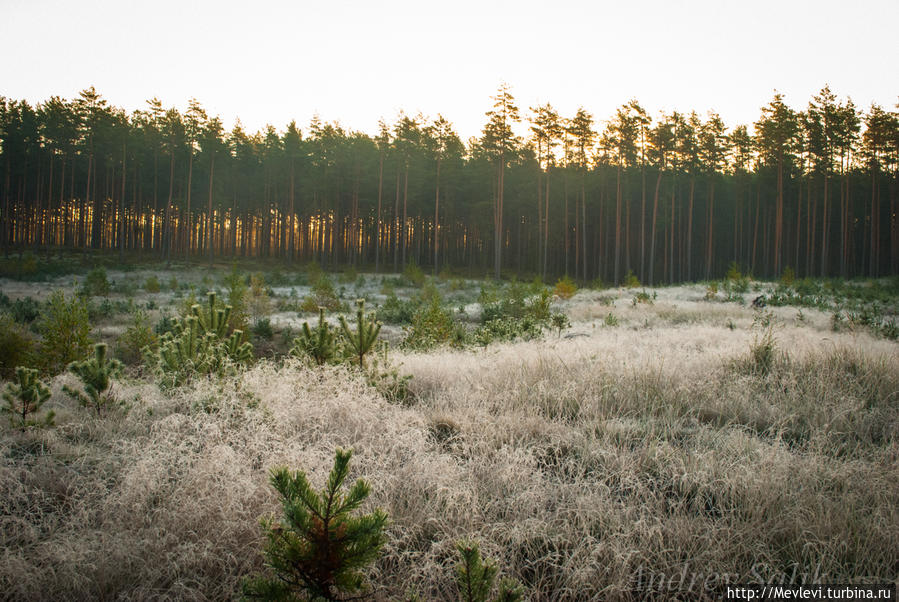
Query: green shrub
pixel 508 329
pixel 432 325
pixel 24 311
pixel 560 322
pixel 323 294
pixel 610 320
pixel 395 311
pixel 413 274
pixel 152 285
pixel 16 346
pixel 318 549
pixel 236 284
pixel 565 288
pixel 138 336
pixel 596 284
pixel 24 398
pixel 890 330
pixel 95 283
pixel 514 303
pixel 641 297
pixel 631 280
pixel 65 330
pixel 263 329
pixel 489 293
pixel 788 276
pixel 95 374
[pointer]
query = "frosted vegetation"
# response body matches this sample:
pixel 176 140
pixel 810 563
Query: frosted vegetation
pixel 588 442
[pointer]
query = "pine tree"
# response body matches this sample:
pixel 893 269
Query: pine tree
pixel 25 397
pixel 318 344
pixel 475 577
pixel 363 340
pixel 95 374
pixel 317 548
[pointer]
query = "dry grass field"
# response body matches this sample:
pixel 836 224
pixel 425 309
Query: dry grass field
pixel 648 454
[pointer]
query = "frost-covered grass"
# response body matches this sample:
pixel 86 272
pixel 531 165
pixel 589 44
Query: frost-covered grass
pixel 638 448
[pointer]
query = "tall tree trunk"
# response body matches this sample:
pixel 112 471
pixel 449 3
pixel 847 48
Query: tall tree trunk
pixel 652 232
pixel 167 218
pixel 437 217
pixel 122 209
pixel 711 232
pixel 188 234
pixel 405 213
pixel 825 224
pixel 498 239
pixel 546 227
pixel 209 217
pixel 689 239
pixel 378 220
pixel 618 224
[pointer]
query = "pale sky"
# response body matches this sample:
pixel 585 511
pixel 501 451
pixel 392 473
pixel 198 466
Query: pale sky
pixel 357 61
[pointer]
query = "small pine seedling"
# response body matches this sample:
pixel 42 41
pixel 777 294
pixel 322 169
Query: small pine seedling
pixel 24 398
pixel 363 340
pixel 318 344
pixel 317 548
pixel 475 577
pixel 95 374
pixel 560 322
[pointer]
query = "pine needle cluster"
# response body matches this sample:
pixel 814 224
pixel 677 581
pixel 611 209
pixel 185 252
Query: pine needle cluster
pixel 475 577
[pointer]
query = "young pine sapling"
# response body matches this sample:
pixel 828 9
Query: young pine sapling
pixel 319 344
pixel 24 398
pixel 475 577
pixel 367 328
pixel 95 374
pixel 318 548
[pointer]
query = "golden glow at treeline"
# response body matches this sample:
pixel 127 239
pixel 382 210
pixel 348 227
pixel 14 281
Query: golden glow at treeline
pixel 64 226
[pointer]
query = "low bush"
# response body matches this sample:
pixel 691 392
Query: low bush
pixel 565 288
pixel 24 310
pixel 432 325
pixel 64 327
pixel 263 329
pixel 413 275
pixel 137 337
pixel 152 285
pixel 17 345
pixel 396 311
pixel 95 283
pixel 323 294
